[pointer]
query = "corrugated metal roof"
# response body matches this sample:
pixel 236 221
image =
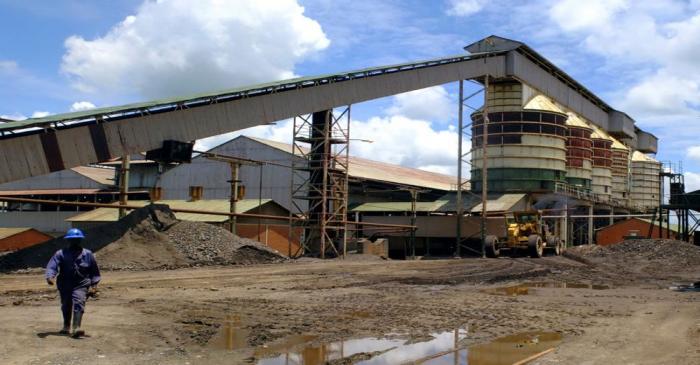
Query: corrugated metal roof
pixel 9 232
pixel 101 175
pixel 219 205
pixel 53 192
pixel 382 171
pixel 501 203
pixel 425 207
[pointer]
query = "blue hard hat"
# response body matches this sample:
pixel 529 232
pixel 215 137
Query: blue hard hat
pixel 74 233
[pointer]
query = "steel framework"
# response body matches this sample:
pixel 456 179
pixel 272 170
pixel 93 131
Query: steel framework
pixel 321 145
pixel 463 158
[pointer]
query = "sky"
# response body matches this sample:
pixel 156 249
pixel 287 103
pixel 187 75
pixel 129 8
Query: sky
pixel 640 56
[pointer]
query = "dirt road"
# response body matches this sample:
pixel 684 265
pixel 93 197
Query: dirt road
pixel 192 316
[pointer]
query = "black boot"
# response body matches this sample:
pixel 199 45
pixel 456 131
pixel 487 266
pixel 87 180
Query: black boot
pixel 66 324
pixel 77 318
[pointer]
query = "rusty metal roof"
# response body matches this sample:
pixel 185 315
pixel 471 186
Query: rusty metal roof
pixel 9 232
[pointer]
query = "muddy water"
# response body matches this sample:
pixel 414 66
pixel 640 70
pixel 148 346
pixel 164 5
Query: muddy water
pixel 384 351
pixel 232 335
pixel 506 350
pixel 524 289
pixel 443 348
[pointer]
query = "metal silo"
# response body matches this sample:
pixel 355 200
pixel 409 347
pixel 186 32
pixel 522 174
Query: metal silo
pixel 526 148
pixel 645 180
pixel 579 163
pixel 620 171
pixel 601 182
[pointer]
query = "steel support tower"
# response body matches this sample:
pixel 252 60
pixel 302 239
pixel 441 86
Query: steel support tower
pixel 321 144
pixel 463 157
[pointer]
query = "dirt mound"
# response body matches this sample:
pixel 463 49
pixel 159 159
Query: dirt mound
pixel 658 251
pixel 204 243
pixel 148 238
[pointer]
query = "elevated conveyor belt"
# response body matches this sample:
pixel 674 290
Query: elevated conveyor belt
pixel 43 145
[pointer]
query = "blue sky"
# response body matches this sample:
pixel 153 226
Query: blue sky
pixel 639 56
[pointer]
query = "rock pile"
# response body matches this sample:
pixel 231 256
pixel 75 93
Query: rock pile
pixel 149 238
pixel 658 251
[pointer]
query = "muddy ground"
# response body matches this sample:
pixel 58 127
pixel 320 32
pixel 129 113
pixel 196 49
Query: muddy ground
pixel 177 316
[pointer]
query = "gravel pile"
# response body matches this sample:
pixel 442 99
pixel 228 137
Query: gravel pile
pixel 206 244
pixel 151 238
pixel 657 251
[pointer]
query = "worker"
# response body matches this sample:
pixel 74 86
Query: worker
pixel 78 276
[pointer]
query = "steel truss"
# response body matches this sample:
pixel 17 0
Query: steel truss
pixel 321 145
pixel 463 157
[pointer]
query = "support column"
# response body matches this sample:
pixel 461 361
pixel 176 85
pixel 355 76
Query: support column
pixel 590 225
pixel 460 156
pixel 320 180
pixel 124 184
pixel 612 216
pixel 234 194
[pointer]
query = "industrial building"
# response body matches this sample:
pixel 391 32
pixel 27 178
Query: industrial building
pixel 539 133
pixel 271 178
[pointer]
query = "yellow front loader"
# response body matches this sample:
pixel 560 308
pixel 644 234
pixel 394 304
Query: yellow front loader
pixel 525 231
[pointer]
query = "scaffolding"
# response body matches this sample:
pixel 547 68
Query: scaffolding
pixel 320 144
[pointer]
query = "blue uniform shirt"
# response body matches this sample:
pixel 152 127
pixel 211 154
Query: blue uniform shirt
pixel 74 268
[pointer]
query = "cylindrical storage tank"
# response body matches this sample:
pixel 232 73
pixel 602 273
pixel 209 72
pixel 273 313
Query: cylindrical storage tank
pixel 601 174
pixel 620 171
pixel 579 153
pixel 526 150
pixel 579 163
pixel 505 96
pixel 644 181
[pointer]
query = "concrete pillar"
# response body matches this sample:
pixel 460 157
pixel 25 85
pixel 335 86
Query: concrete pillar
pixel 612 219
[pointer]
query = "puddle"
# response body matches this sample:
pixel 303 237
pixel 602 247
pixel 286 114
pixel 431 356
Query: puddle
pixel 232 335
pixel 506 350
pixel 442 348
pixel 393 351
pixel 508 290
pixel 523 289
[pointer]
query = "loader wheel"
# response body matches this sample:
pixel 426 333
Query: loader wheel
pixel 535 246
pixel 492 250
pixel 554 244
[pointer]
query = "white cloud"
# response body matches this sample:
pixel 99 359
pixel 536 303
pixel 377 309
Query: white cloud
pixel 81 105
pixel 40 114
pixel 172 47
pixel 8 66
pixel 572 15
pixel 13 116
pixel 407 142
pixel 694 153
pixel 660 38
pixel 432 104
pixel 464 7
pixel 692 181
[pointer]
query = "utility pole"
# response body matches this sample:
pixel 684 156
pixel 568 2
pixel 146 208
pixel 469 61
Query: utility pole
pixel 484 166
pixel 124 184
